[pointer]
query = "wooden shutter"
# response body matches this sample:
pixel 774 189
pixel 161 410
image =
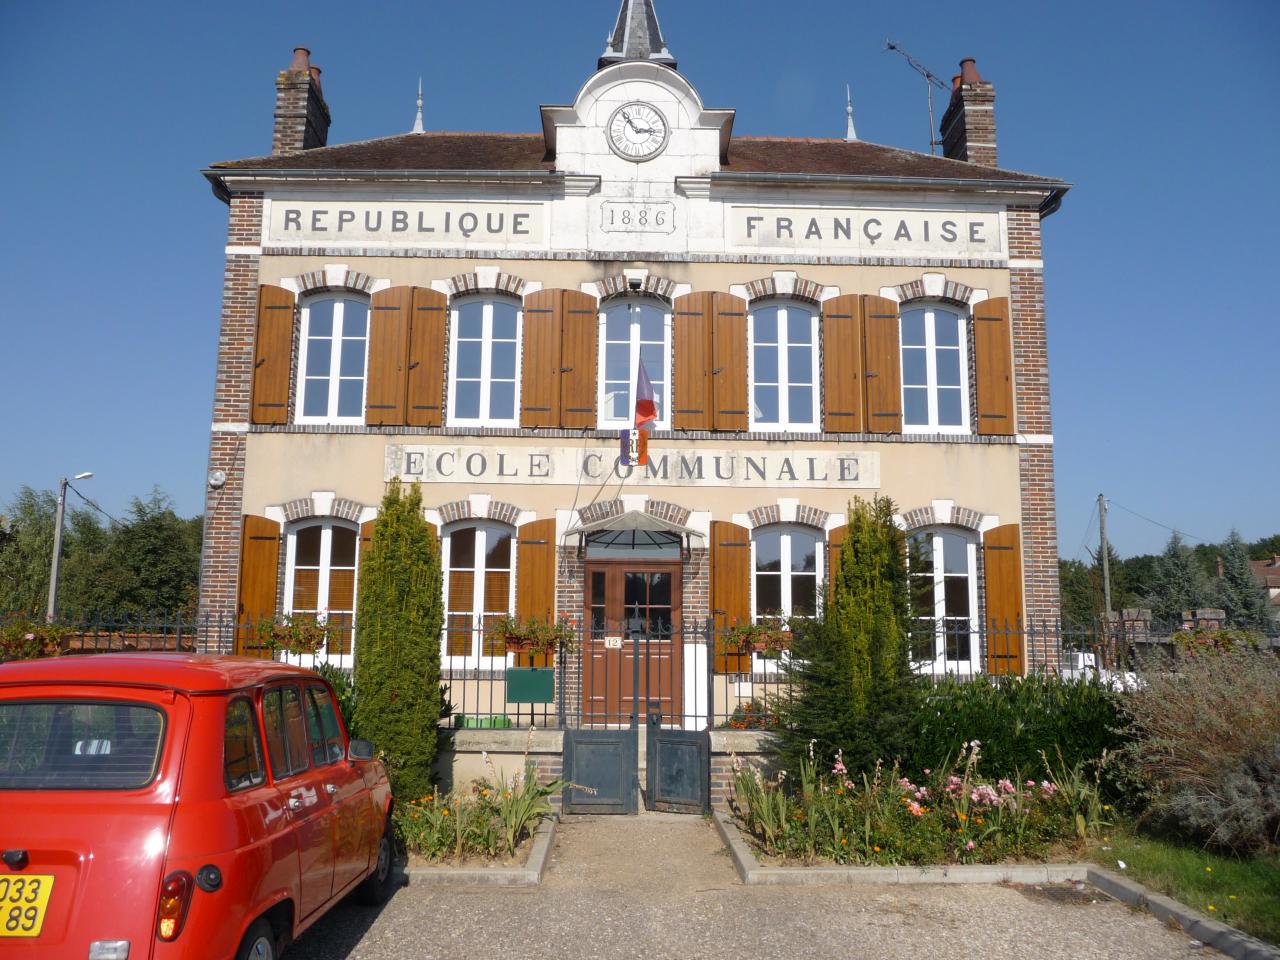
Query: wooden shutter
pixel 730 589
pixel 540 363
pixel 424 395
pixel 1002 566
pixel 536 579
pixel 882 365
pixel 842 391
pixel 835 540
pixel 259 571
pixel 366 538
pixel 729 363
pixel 993 360
pixel 579 348
pixel 272 355
pixel 693 321
pixel 389 315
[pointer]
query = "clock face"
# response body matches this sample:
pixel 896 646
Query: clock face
pixel 637 131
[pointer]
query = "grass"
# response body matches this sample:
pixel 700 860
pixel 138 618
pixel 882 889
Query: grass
pixel 1242 893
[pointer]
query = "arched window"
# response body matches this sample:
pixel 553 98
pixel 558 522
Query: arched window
pixel 944 601
pixel 935 370
pixel 787 567
pixel 332 359
pixel 320 577
pixel 784 365
pixel 478 561
pixel 484 361
pixel 633 331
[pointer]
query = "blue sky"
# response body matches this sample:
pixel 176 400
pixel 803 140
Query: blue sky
pixel 1163 341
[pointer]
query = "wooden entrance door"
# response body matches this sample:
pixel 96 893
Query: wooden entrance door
pixel 633 612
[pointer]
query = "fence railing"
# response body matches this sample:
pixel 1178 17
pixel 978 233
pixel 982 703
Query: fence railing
pixel 697 677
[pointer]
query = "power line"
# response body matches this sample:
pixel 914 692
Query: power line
pixel 1088 528
pixel 1157 522
pixel 95 506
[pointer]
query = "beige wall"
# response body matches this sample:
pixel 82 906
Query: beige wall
pixel 281 467
pixel 420 271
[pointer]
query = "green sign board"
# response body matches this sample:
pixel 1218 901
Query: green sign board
pixel 531 684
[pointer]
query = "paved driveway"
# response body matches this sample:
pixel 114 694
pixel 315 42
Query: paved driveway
pixel 654 887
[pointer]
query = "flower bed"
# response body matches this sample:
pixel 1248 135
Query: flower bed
pixel 952 815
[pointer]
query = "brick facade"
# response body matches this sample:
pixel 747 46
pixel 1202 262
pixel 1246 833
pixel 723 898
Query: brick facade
pixel 301 115
pixel 969 125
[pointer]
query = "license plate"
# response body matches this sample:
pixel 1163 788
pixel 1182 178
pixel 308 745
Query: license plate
pixel 23 903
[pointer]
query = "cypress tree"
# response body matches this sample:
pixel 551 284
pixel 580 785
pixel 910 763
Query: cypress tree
pixel 1179 583
pixel 1238 591
pixel 852 687
pixel 398 621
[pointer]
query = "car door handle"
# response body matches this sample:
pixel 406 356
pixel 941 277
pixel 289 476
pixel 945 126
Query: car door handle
pixel 295 803
pixel 330 789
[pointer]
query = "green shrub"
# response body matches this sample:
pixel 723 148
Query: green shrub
pixel 344 689
pixel 1016 720
pixel 23 639
pixel 851 685
pixel 1207 743
pixel 398 623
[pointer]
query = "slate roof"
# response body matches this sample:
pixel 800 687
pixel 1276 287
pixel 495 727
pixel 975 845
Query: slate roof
pixel 637 36
pixel 526 152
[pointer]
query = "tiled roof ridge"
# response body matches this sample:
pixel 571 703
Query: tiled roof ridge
pixel 863 144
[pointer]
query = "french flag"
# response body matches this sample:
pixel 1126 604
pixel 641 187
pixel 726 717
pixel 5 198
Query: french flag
pixel 646 402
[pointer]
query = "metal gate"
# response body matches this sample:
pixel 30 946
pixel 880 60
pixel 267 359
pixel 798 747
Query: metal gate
pixel 678 776
pixel 601 765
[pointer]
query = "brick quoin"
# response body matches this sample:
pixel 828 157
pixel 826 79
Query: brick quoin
pixel 220 554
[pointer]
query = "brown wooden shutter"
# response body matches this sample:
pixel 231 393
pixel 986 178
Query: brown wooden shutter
pixel 579 348
pixel 835 540
pixel 272 355
pixel 729 369
pixel 842 391
pixel 424 396
pixel 882 365
pixel 1002 567
pixel 259 571
pixel 389 314
pixel 730 589
pixel 993 361
pixel 366 538
pixel 536 579
pixel 540 363
pixel 693 322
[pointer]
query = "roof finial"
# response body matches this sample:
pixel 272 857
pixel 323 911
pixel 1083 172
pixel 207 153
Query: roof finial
pixel 417 121
pixel 636 36
pixel 850 134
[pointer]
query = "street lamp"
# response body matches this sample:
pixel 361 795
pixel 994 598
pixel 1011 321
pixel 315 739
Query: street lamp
pixel 57 544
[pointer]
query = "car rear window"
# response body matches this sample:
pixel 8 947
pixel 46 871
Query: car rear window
pixel 78 745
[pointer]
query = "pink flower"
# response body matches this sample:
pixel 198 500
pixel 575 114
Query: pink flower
pixel 1030 783
pixel 1047 788
pixel 927 771
pixel 915 809
pixel 848 784
pixel 984 796
pixel 1006 786
pixel 969 845
pixel 907 785
pixel 922 793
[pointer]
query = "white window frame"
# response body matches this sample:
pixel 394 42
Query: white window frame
pixel 939 663
pixel 340 299
pixel 475 660
pixel 759 662
pixel 931 369
pixel 486 362
pixel 664 406
pixel 784 424
pixel 327 526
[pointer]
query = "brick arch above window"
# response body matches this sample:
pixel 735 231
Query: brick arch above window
pixel 934 286
pixel 497 510
pixel 600 511
pixel 329 279
pixel 321 505
pixel 619 285
pixel 487 281
pixel 794 287
pixel 931 516
pixel 805 515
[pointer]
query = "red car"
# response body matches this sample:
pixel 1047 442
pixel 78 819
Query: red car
pixel 166 805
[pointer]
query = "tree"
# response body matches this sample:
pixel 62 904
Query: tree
pixel 1238 591
pixel 25 559
pixel 852 684
pixel 1178 583
pixel 1080 592
pixel 399 616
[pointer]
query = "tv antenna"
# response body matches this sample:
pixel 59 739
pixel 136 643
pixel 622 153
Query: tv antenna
pixel 930 81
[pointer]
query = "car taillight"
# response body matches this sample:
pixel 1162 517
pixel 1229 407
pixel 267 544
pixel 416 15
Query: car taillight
pixel 175 897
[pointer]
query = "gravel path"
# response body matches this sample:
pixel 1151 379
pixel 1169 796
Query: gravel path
pixel 661 886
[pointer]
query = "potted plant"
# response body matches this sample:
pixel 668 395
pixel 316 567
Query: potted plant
pixel 767 637
pixel 304 635
pixel 534 636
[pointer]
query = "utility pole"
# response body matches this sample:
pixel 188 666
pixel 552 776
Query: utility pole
pixel 1106 555
pixel 51 610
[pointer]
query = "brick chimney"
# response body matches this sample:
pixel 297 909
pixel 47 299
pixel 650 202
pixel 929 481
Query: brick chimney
pixel 302 116
pixel 969 125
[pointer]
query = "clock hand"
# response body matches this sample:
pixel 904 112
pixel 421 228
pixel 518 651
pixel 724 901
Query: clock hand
pixel 631 123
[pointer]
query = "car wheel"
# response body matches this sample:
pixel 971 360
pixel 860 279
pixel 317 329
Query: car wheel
pixel 259 943
pixel 376 888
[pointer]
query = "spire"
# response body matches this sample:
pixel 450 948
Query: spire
pixel 636 36
pixel 850 134
pixel 417 121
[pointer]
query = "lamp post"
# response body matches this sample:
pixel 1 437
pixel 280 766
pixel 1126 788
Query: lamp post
pixel 57 545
